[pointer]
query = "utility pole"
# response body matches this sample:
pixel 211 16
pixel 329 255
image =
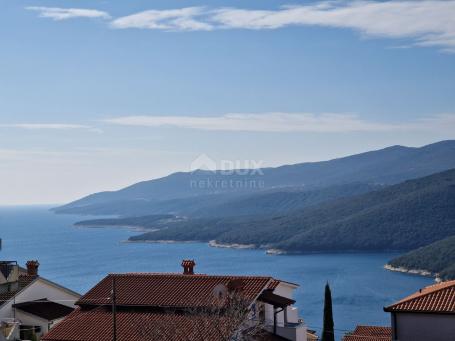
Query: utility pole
pixel 114 310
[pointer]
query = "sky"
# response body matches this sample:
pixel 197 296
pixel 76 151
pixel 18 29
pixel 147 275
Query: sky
pixel 97 95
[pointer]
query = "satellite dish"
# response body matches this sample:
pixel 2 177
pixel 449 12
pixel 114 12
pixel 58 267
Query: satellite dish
pixel 220 291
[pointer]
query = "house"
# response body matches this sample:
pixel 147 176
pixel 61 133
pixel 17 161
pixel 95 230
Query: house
pixel 183 306
pixel 30 304
pixel 428 314
pixel 370 333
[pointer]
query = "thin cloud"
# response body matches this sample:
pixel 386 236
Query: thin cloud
pixel 50 126
pixel 183 19
pixel 426 22
pixel 285 122
pixel 59 14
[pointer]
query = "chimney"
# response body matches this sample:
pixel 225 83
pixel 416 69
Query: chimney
pixel 188 266
pixel 32 267
pixel 236 285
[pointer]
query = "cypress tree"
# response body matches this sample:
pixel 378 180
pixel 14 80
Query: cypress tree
pixel 328 333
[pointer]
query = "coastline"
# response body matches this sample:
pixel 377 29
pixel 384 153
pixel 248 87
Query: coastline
pixel 275 252
pixel 418 272
pixel 239 246
pixel 128 241
pixel 134 228
pixel 214 243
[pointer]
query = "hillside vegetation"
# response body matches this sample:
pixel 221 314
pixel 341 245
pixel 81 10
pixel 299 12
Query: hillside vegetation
pixel 149 221
pixel 179 193
pixel 438 258
pixel 264 202
pixel 399 217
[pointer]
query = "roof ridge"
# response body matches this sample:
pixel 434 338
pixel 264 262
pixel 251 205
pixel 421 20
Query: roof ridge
pixel 434 289
pixel 177 274
pixel 166 289
pixel 431 289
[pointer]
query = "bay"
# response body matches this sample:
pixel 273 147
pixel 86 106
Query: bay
pixel 79 257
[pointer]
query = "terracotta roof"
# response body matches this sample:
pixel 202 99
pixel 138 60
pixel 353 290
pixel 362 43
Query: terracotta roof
pixel 437 298
pixel 157 306
pixel 369 333
pixel 45 309
pixel 96 325
pixel 274 284
pixel 168 290
pixel 24 281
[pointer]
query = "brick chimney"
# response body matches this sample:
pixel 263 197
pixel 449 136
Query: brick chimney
pixel 32 267
pixel 236 285
pixel 188 266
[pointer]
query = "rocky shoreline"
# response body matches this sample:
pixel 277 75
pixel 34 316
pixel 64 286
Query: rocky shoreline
pixel 419 272
pixel 214 243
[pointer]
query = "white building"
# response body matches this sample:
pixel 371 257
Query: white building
pixel 30 304
pixel 281 316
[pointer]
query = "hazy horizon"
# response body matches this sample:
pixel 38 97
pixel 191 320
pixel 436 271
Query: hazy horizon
pixel 51 204
pixel 99 95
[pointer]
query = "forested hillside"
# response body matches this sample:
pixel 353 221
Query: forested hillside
pixel 173 193
pixel 438 258
pixel 399 217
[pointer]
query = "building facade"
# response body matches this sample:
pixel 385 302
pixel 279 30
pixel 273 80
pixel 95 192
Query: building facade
pixel 428 314
pixel 30 305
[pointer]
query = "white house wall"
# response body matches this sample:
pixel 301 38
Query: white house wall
pixel 31 320
pixel 37 290
pixel 286 290
pixel 43 289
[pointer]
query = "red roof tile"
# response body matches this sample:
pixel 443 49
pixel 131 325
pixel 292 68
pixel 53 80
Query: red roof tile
pixel 273 284
pixel 168 290
pixel 369 333
pixel 156 306
pixel 276 282
pixel 96 325
pixel 437 298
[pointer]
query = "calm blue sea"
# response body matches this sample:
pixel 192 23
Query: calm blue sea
pixel 79 257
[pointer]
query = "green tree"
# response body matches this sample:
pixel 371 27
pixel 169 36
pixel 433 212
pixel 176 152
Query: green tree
pixel 328 333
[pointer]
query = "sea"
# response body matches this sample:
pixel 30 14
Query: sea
pixel 78 258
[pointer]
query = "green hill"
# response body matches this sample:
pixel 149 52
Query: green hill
pixel 148 222
pixel 437 258
pixel 399 217
pixel 265 202
pixel 279 201
pixel 174 193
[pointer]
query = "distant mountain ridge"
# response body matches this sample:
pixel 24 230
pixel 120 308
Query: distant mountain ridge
pixel 404 216
pixel 172 194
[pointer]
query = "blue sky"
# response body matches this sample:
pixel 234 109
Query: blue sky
pixel 96 95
